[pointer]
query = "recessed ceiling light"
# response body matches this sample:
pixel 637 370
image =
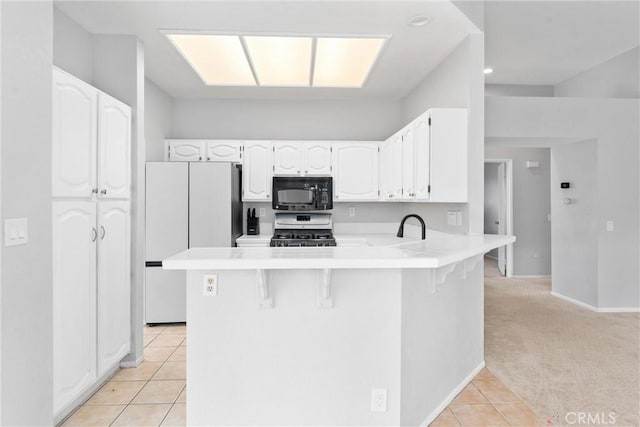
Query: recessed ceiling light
pixel 280 61
pixel 488 70
pixel 218 59
pixel 418 21
pixel 345 62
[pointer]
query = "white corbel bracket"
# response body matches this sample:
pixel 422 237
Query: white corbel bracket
pixel 470 264
pixel 439 275
pixel 264 291
pixel 325 296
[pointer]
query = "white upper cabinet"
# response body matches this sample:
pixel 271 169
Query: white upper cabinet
pixel 301 158
pixel 421 139
pixel 114 146
pixel 288 158
pixel 186 150
pixel 395 151
pixel 317 158
pixel 355 171
pixel 114 284
pixel 385 168
pixel 449 158
pixel 224 151
pixel 74 127
pixel 257 171
pixel 408 163
pixel 74 300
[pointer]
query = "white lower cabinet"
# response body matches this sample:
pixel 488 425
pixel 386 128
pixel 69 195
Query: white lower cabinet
pixel 91 288
pixel 114 290
pixel 74 300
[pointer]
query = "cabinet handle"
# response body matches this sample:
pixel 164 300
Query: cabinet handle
pixel 199 158
pixel 94 234
pixel 208 158
pixel 95 190
pixel 104 232
pixel 103 192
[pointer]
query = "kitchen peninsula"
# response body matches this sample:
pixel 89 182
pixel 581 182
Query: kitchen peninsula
pixel 385 333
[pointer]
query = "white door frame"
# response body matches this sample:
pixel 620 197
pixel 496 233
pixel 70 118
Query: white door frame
pixel 508 208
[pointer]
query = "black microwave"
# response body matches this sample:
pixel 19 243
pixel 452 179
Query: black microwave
pixel 297 193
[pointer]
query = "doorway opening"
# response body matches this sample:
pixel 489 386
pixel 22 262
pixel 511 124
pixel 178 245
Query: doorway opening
pixel 498 208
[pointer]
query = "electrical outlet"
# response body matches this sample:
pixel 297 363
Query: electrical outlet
pixel 352 211
pixel 610 226
pixel 263 212
pixel 378 400
pixel 210 285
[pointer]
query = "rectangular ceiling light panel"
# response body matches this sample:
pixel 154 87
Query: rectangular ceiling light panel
pixel 345 62
pixel 218 59
pixel 280 61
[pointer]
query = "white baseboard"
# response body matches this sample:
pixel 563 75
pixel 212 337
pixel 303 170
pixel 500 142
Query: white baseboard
pixel 596 309
pixel 132 363
pixel 531 276
pixel 434 414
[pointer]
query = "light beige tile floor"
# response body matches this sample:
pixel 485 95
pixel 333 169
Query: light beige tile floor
pixel 152 394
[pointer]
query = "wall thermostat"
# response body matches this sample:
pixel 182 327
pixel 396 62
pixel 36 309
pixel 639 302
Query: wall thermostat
pixel 565 185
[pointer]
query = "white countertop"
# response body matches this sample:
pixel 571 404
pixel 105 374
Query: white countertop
pixel 382 251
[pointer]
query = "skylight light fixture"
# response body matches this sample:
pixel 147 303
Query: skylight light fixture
pixel 280 61
pixel 345 62
pixel 219 60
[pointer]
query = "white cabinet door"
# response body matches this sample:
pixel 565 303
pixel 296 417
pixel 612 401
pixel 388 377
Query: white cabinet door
pixel 408 163
pixel 74 300
pixel 287 158
pixel 317 158
pixel 186 150
pixel 355 171
pixel 422 156
pixel 257 171
pixel 114 286
pixel 449 161
pixel 224 151
pixel 385 168
pixel 114 147
pixel 395 150
pixel 74 136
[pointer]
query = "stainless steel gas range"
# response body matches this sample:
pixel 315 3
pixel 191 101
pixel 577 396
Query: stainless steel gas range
pixel 303 230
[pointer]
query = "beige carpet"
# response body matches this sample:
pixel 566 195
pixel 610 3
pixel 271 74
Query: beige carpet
pixel 559 358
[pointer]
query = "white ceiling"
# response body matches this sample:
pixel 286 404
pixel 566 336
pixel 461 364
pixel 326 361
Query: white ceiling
pixel 544 43
pixel 408 57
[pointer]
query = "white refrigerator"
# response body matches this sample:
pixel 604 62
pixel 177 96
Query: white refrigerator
pixel 188 204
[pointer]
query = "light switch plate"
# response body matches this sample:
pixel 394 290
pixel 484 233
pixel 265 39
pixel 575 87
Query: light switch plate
pixel 16 232
pixel 610 226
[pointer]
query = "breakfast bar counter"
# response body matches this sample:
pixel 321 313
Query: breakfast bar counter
pixel 381 331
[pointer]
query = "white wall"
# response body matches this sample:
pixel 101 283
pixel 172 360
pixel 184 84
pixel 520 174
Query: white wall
pixel 158 110
pixel 457 82
pixel 26 311
pixel 614 123
pixel 615 78
pixel 575 226
pixel 282 119
pixel 517 90
pixel 118 69
pixel 72 47
pixel 531 199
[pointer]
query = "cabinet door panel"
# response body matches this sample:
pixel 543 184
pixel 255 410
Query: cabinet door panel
pixel 186 151
pixel 257 171
pixel 74 300
pixel 449 161
pixel 287 158
pixel 396 166
pixel 224 151
pixel 114 142
pixel 114 286
pixel 422 155
pixel 356 171
pixel 408 164
pixel 385 168
pixel 74 138
pixel 317 158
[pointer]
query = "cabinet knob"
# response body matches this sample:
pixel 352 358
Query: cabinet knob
pixel 95 190
pixel 199 158
pixel 208 158
pixel 103 192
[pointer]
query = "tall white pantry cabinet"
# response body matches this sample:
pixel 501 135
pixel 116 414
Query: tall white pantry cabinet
pixel 91 236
